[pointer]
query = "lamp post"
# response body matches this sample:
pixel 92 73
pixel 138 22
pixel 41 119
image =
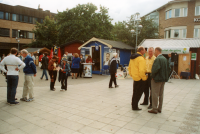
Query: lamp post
pixel 17 39
pixel 137 27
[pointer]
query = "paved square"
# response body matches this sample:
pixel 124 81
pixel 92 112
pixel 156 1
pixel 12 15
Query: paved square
pixel 90 107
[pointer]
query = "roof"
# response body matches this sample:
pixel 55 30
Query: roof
pixel 170 2
pixel 109 43
pixel 72 42
pixel 186 42
pixel 30 50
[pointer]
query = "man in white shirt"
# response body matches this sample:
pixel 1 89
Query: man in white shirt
pixel 14 64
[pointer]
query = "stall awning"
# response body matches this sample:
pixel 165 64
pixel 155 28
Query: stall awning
pixel 30 50
pixel 109 43
pixel 172 45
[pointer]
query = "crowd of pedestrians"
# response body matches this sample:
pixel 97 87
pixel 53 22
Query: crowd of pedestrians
pixel 149 74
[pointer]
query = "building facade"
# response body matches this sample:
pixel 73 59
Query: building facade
pixel 178 19
pixel 18 21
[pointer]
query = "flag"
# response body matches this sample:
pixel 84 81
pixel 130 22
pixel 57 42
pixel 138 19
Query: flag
pixel 51 54
pixel 59 55
pixel 55 49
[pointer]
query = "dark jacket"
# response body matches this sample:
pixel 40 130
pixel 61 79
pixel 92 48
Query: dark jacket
pixel 75 63
pixel 82 61
pixel 45 61
pixel 30 67
pixel 67 70
pixel 160 69
pixel 113 66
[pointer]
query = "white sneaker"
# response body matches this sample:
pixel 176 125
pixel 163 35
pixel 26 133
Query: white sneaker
pixel 61 90
pixel 29 100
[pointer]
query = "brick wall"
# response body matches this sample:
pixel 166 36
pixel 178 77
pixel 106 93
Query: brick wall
pixel 180 21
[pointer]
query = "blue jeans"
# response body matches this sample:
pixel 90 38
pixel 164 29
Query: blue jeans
pixel 44 73
pixel 12 82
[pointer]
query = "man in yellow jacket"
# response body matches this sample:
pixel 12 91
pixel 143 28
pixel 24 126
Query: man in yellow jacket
pixel 137 70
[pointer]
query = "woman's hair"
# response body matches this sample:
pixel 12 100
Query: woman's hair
pixel 89 57
pixel 76 55
pixel 55 57
pixel 45 54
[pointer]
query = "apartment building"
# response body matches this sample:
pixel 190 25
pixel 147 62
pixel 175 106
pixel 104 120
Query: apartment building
pixel 178 19
pixel 18 21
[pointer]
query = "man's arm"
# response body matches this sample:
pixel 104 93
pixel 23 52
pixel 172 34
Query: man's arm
pixel 21 63
pixel 129 68
pixel 142 69
pixel 2 67
pixel 155 68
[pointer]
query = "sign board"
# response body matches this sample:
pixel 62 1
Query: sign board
pixel 194 56
pixel 87 70
pixel 96 47
pixel 178 50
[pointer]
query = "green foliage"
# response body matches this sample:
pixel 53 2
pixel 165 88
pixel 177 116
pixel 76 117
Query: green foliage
pixel 82 23
pixel 46 33
pixel 121 31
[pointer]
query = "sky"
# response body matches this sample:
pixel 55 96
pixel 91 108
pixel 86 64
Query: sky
pixel 119 10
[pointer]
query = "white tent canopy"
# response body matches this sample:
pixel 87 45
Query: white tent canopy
pixel 180 46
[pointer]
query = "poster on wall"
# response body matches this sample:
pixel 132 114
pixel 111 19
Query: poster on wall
pixel 87 69
pixel 108 54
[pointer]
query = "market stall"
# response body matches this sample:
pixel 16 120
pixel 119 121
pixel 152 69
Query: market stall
pixel 101 52
pixel 184 48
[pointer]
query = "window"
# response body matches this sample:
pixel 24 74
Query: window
pixel 15 17
pixel 4 32
pixel 34 20
pixel 26 19
pixel 30 35
pixel 20 18
pixel 14 33
pixel 169 34
pixel 185 12
pixel 1 15
pixel 166 15
pixel 41 21
pixel 170 14
pixel 184 33
pixel 165 34
pixel 30 19
pixel 176 33
pixel 7 16
pixel 196 33
pixel 177 12
pixel 197 10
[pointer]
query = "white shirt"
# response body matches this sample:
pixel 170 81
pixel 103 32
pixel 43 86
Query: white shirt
pixel 12 63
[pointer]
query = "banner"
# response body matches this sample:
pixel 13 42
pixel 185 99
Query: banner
pixel 178 50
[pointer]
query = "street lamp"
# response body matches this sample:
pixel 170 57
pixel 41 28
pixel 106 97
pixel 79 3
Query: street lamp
pixel 17 39
pixel 138 28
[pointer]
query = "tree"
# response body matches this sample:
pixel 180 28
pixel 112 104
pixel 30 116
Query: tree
pixel 121 31
pixel 82 23
pixel 46 33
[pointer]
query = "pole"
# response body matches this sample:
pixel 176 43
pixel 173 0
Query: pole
pixel 136 37
pixel 18 45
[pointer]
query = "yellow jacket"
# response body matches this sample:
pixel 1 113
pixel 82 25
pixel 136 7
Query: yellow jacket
pixel 137 67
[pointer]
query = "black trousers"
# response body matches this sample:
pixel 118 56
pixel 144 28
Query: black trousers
pixel 112 79
pixel 138 88
pixel 146 91
pixel 53 76
pixel 64 81
pixel 80 72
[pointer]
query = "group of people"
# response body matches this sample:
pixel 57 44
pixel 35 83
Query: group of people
pixel 13 65
pixel 64 68
pixel 149 74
